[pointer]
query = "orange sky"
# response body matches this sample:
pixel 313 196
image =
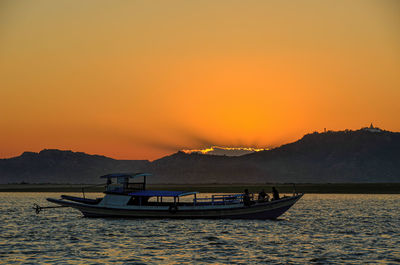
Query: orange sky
pixel 143 79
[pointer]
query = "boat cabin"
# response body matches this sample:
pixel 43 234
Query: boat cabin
pixel 142 197
pixel 120 183
pixel 130 189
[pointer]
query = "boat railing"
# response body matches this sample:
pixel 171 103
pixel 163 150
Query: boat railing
pixel 219 199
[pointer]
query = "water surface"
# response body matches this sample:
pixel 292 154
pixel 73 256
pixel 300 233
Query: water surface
pixel 319 229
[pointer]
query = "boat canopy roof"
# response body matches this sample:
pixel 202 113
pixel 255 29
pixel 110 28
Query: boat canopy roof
pixel 129 175
pixel 162 193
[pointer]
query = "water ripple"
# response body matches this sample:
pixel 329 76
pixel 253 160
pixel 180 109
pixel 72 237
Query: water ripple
pixel 319 229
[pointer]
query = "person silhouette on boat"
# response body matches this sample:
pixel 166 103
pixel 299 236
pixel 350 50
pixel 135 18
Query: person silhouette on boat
pixel 275 193
pixel 246 197
pixel 262 196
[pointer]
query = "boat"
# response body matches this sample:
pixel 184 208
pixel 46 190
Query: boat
pixel 127 199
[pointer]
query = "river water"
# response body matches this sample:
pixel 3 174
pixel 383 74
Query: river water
pixel 319 229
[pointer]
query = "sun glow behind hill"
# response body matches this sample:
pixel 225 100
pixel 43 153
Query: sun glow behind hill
pixel 228 151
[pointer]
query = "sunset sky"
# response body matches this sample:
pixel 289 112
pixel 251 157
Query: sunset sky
pixel 143 79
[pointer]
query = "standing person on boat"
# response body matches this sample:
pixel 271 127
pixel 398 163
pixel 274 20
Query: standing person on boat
pixel 275 193
pixel 246 197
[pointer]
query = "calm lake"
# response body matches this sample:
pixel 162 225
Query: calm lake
pixel 319 229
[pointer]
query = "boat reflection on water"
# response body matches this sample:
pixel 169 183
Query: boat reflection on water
pixel 131 199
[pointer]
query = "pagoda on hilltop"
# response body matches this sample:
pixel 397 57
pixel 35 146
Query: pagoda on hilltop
pixel 371 128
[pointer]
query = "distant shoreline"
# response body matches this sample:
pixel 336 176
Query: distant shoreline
pixel 341 188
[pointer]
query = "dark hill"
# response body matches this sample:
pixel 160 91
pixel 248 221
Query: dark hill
pixel 344 156
pixel 199 168
pixel 56 166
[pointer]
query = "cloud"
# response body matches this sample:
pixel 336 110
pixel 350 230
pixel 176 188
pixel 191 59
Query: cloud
pixel 228 151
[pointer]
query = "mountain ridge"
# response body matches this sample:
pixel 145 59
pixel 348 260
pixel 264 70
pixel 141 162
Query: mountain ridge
pixel 365 155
